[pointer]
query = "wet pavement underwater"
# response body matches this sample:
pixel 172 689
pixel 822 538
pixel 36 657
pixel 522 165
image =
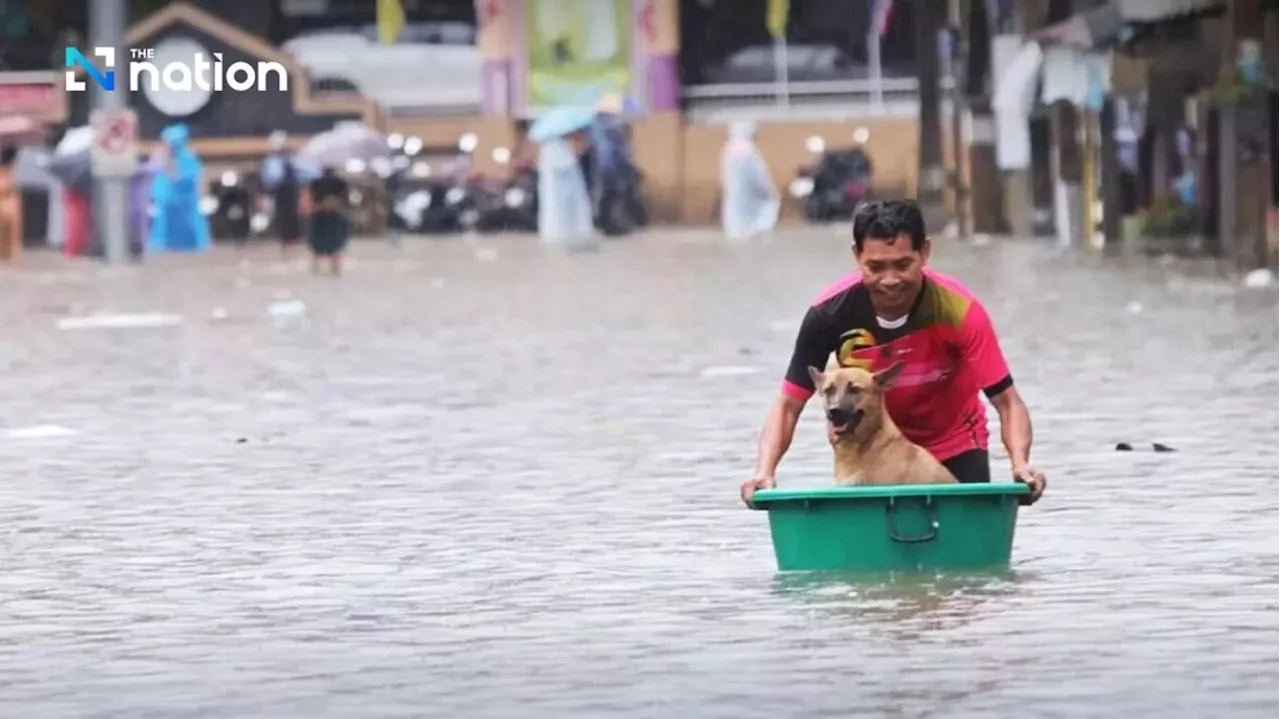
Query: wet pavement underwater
pixel 495 480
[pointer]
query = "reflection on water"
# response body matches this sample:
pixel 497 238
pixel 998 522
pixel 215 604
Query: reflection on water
pixel 901 604
pixel 505 485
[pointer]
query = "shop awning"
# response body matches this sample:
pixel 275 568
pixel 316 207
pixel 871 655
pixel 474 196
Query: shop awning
pixel 1094 28
pixel 1157 10
pixel 1111 22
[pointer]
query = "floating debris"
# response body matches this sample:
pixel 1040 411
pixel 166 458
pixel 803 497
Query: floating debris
pixel 1143 446
pixel 1259 279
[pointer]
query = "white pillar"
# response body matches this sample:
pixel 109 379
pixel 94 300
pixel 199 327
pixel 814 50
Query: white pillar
pixel 107 20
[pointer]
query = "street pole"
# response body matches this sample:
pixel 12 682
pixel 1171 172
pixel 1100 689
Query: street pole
pixel 107 19
pixel 932 175
pixel 960 194
pixel 877 73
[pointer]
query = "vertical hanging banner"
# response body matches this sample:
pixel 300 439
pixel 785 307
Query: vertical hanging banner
pixel 776 18
pixel 494 20
pixel 390 21
pixel 578 50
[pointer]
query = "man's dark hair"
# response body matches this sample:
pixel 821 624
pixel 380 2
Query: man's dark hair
pixel 885 220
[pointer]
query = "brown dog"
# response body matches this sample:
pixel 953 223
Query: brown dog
pixel 869 447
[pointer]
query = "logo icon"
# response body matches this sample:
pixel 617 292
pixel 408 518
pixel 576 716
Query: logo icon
pixel 850 343
pixel 105 80
pixel 175 77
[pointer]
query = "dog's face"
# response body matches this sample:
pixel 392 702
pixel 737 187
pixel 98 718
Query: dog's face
pixel 851 395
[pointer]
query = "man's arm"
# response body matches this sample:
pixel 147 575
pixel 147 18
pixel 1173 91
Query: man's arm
pixel 1015 426
pixel 812 347
pixel 981 351
pixel 775 437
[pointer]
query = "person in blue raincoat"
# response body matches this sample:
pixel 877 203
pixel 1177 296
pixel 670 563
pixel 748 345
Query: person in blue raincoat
pixel 178 226
pixel 749 201
pixel 564 205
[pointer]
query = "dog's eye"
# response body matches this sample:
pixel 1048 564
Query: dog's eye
pixel 852 389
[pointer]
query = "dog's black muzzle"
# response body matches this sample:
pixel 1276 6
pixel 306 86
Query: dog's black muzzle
pixel 847 418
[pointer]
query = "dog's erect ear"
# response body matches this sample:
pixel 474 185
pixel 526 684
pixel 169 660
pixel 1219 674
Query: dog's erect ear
pixel 817 376
pixel 886 376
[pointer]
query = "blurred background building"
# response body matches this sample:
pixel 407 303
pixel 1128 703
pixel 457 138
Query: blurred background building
pixel 1125 103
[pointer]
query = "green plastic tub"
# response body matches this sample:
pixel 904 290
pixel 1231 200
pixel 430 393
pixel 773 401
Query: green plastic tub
pixel 926 527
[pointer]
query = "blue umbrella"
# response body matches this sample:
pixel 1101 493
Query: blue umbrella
pixel 561 121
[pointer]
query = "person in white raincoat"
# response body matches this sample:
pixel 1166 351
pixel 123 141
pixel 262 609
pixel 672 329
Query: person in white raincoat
pixel 749 201
pixel 564 205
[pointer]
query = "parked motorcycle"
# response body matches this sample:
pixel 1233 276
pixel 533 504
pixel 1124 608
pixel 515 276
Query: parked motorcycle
pixel 620 208
pixel 367 199
pixel 521 200
pixel 410 187
pixel 229 205
pixel 501 205
pixel 832 187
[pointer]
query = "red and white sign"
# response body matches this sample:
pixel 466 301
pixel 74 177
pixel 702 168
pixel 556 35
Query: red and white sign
pixel 28 99
pixel 115 141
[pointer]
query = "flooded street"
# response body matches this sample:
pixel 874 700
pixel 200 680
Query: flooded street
pixel 493 480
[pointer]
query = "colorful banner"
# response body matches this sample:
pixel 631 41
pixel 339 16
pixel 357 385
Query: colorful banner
pixel 659 24
pixel 390 20
pixel 495 38
pixel 776 19
pixel 579 50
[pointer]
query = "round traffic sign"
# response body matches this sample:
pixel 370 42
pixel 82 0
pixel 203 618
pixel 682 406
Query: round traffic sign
pixel 116 136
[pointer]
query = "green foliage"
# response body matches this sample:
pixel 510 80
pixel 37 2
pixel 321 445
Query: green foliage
pixel 1232 88
pixel 1167 217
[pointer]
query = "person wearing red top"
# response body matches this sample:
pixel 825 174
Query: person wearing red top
pixel 895 309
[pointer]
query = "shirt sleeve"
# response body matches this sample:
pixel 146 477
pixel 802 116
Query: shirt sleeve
pixel 980 350
pixel 813 347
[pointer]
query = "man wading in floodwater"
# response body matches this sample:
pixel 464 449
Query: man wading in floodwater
pixel 896 310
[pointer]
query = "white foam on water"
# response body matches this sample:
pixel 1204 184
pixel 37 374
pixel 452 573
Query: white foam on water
pixel 730 371
pixel 119 321
pixel 781 325
pixel 40 431
pixel 287 308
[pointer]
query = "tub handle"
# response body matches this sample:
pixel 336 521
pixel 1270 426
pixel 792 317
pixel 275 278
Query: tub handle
pixel 890 512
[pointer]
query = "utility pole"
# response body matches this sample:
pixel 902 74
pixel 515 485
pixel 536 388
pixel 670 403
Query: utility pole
pixel 959 184
pixel 107 19
pixel 1245 182
pixel 932 175
pixel 1017 193
pixel 1065 124
pixel 1112 228
pixel 986 200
